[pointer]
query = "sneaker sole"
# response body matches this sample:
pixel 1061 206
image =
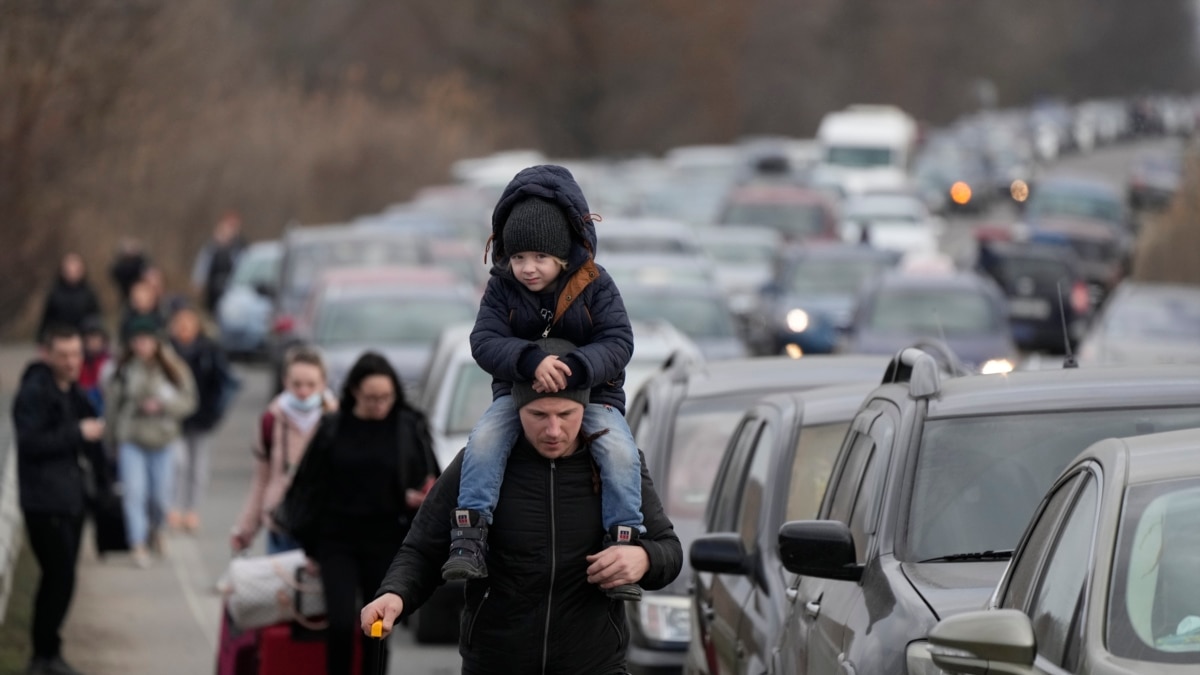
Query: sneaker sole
pixel 454 571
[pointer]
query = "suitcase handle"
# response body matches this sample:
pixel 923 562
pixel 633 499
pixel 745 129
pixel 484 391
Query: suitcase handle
pixel 377 633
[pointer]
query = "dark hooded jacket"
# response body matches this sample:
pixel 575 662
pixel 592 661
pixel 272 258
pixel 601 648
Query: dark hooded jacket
pixel 535 612
pixel 49 445
pixel 69 305
pixel 587 308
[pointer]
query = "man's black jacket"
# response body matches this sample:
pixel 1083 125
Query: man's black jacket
pixel 536 611
pixel 49 445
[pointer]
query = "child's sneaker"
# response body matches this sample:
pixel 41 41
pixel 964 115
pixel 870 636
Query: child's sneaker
pixel 468 547
pixel 623 535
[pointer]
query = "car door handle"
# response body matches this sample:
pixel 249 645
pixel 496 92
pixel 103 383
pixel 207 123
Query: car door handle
pixel 812 609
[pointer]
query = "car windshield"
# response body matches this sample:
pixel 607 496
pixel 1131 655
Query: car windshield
pixel 832 276
pixel 1071 204
pixel 384 319
pixel 793 221
pixel 1154 612
pixel 858 156
pixel 932 312
pixel 979 479
pixel 702 430
pixel 308 261
pixel 740 253
pixel 697 316
pixel 1169 319
pixel 471 396
pixel 256 268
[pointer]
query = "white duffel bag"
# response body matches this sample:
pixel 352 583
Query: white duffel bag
pixel 267 590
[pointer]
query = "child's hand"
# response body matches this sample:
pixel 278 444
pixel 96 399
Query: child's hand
pixel 551 375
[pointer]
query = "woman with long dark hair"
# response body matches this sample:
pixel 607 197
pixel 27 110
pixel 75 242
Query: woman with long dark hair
pixel 149 394
pixel 362 479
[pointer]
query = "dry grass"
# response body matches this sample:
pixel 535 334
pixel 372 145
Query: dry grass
pixel 1169 245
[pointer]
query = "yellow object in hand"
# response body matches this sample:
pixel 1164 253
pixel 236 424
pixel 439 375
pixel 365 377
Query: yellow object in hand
pixel 377 629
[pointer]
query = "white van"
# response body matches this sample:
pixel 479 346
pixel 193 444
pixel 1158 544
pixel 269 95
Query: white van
pixel 866 148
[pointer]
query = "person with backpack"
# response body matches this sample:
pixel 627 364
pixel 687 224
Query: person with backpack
pixel 545 283
pixel 149 394
pixel 216 261
pixel 283 434
pixel 363 477
pixel 216 388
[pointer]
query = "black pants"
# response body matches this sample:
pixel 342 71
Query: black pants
pixel 351 576
pixel 54 540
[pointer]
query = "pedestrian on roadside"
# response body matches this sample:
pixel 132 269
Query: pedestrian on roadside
pixel 363 477
pixel 150 393
pixel 545 282
pixel 97 355
pixel 144 303
pixel 215 262
pixel 55 427
pixel 71 300
pixel 284 431
pixel 538 610
pixel 128 266
pixel 215 388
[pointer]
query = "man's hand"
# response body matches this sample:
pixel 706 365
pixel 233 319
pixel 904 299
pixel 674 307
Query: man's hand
pixel 551 375
pixel 617 565
pixel 91 429
pixel 386 608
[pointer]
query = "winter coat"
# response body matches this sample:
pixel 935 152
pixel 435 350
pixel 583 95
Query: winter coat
pixel 50 445
pixel 211 373
pixel 279 448
pixel 127 270
pixel 133 382
pixel 535 612
pixel 588 310
pixel 69 305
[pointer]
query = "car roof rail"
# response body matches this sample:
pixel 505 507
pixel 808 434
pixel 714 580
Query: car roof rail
pixel 921 366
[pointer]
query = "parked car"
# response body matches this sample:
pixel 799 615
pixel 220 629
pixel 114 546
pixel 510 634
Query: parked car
pixel 1048 302
pixel 953 175
pixel 799 214
pixel 244 312
pixel 1154 180
pixel 811 299
pixel 398 312
pixel 1104 580
pixel 1104 256
pixel 682 420
pixel 892 221
pixel 966 311
pixel 698 312
pixel 1078 197
pixel 1146 323
pixel 775 469
pixel 742 257
pixel 931 492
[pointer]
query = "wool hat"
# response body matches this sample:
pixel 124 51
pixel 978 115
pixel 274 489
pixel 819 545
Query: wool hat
pixel 535 224
pixel 143 324
pixel 523 393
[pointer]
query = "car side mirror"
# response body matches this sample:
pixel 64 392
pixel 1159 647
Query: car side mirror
pixel 819 548
pixel 983 642
pixel 719 553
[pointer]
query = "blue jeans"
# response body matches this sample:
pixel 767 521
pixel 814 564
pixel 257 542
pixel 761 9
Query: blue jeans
pixel 146 480
pixel 616 453
pixel 278 542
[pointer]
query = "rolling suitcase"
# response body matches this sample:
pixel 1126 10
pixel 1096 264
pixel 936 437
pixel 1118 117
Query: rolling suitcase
pixel 282 653
pixel 108 517
pixel 237 653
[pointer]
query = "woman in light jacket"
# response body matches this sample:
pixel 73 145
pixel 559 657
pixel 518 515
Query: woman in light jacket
pixel 150 392
pixel 284 432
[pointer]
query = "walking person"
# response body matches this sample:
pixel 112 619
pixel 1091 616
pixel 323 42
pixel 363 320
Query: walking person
pixel 145 302
pixel 128 265
pixel 538 610
pixel 362 479
pixel 150 393
pixel 215 262
pixel 284 432
pixel 96 357
pixel 55 427
pixel 215 386
pixel 71 300
pixel 545 282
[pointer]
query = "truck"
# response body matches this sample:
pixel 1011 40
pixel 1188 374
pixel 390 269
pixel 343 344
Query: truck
pixel 866 148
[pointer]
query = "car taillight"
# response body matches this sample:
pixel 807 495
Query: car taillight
pixel 283 324
pixel 1081 300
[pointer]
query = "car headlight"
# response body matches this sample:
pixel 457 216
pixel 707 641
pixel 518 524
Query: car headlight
pixel 919 661
pixel 666 618
pixel 997 367
pixel 797 320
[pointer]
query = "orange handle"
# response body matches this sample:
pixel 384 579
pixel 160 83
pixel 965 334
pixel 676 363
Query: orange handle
pixel 377 629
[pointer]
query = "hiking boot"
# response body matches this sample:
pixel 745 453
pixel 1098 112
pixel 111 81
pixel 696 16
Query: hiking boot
pixel 623 535
pixel 468 546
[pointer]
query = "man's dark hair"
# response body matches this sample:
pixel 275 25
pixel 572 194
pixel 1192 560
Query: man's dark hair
pixel 59 331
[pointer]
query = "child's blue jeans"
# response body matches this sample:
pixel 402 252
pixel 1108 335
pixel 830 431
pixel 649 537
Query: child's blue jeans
pixel 616 453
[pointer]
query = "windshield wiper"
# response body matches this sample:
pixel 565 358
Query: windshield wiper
pixel 1004 554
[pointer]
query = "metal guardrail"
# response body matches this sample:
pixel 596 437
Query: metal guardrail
pixel 10 512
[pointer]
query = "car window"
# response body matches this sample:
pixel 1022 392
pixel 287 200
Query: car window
pixel 1154 609
pixel 471 396
pixel 389 319
pixel 754 489
pixel 933 311
pixel 697 316
pixel 816 453
pixel 814 276
pixel 1059 598
pixel 728 485
pixel 1025 566
pixel 854 476
pixel 702 430
pixel 256 268
pixel 979 479
pixel 1155 318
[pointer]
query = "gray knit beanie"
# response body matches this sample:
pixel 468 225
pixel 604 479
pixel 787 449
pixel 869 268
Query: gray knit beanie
pixel 523 393
pixel 537 225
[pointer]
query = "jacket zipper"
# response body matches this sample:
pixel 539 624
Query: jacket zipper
pixel 478 608
pixel 553 569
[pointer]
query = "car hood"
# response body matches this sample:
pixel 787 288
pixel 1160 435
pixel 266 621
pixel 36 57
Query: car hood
pixel 954 587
